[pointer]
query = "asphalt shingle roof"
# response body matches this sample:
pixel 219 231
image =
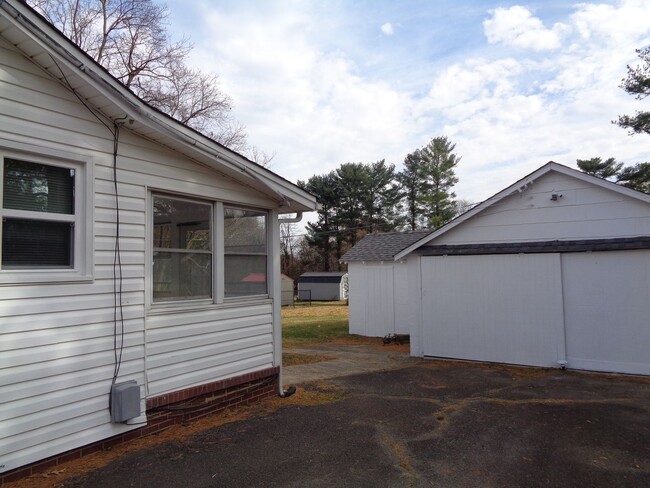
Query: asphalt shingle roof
pixel 383 247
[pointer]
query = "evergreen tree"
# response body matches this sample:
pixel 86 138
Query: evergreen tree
pixel 637 83
pixel 597 167
pixel 636 177
pixel 439 161
pixel 412 183
pixel 321 235
pixel 381 195
pixel 427 180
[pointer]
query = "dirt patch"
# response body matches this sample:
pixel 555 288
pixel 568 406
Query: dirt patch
pixel 293 358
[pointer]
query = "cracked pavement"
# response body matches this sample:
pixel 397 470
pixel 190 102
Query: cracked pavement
pixel 421 423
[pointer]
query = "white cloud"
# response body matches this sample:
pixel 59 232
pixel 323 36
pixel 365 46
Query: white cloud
pixel 543 94
pixel 309 106
pixel 388 29
pixel 516 26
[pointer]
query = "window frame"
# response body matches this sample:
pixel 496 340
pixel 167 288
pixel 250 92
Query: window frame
pixel 218 255
pixel 213 251
pixel 83 238
pixel 265 254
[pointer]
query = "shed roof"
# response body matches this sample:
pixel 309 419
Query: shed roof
pixel 383 247
pixel 322 277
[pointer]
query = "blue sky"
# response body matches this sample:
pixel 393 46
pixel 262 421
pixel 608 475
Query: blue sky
pixel 514 85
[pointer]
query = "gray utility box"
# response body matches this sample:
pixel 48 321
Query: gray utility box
pixel 125 401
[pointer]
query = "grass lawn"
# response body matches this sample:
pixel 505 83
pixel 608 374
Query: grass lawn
pixel 318 322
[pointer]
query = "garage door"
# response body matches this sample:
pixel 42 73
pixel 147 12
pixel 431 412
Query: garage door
pixel 591 308
pixel 501 308
pixel 607 310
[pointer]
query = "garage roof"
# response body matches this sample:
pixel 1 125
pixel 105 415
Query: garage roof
pixel 383 247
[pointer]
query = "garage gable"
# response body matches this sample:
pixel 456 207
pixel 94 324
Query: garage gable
pixel 554 203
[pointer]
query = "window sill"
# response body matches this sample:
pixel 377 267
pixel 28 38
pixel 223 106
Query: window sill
pixel 41 277
pixel 198 306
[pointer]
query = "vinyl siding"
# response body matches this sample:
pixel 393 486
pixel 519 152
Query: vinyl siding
pixel 584 211
pixel 187 349
pixel 56 339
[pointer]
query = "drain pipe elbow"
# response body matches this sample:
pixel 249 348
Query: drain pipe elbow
pixel 288 392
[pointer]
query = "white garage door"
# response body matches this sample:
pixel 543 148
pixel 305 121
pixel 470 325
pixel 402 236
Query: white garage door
pixel 607 310
pixel 501 308
pixel 591 308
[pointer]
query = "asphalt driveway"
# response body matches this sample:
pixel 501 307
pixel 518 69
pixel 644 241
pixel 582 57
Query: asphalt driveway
pixel 425 423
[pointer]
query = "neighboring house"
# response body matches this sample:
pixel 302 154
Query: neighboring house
pixel 552 271
pixel 169 310
pixel 379 292
pixel 324 286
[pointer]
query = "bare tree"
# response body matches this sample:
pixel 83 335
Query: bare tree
pixel 287 243
pixel 130 39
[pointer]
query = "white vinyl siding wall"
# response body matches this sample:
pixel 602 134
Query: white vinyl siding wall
pixel 188 349
pixel 380 300
pixel 584 211
pixel 585 310
pixel 56 340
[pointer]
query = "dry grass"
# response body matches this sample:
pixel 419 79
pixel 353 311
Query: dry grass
pixel 294 359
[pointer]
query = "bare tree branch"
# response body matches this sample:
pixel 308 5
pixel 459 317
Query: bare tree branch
pixel 130 39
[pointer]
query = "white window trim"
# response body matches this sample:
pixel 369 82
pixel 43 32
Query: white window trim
pixel 218 279
pixel 83 242
pixel 179 304
pixel 267 216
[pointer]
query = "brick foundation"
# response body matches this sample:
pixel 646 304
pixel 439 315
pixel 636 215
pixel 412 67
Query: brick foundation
pixel 169 409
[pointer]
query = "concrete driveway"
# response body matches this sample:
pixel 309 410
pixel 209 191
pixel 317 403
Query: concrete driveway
pixel 419 424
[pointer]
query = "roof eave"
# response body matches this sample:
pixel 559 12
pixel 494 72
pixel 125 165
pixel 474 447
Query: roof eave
pixel 290 197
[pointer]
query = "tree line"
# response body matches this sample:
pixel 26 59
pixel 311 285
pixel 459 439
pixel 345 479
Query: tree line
pixel 361 198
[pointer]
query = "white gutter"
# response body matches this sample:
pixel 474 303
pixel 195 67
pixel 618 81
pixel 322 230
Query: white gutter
pixel 292 220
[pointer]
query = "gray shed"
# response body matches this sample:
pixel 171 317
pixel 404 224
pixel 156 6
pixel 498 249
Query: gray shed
pixel 324 286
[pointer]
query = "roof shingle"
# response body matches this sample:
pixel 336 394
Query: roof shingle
pixel 383 247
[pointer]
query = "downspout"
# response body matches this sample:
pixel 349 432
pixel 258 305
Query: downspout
pixel 292 388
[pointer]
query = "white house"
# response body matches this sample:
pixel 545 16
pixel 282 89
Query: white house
pixel 126 238
pixel 325 286
pixel 379 286
pixel 552 271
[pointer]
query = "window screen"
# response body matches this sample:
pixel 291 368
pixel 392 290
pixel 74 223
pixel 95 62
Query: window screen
pixel 182 249
pixel 245 252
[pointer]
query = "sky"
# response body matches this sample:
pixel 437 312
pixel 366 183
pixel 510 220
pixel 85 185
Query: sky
pixel 513 85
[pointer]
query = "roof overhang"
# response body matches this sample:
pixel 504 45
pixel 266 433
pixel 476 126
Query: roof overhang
pixel 53 52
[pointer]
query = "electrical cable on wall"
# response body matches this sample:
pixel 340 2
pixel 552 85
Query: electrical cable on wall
pixel 118 309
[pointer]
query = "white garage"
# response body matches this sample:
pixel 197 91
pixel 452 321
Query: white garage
pixel 554 270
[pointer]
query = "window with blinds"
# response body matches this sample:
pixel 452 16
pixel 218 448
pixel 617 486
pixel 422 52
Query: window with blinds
pixel 38 215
